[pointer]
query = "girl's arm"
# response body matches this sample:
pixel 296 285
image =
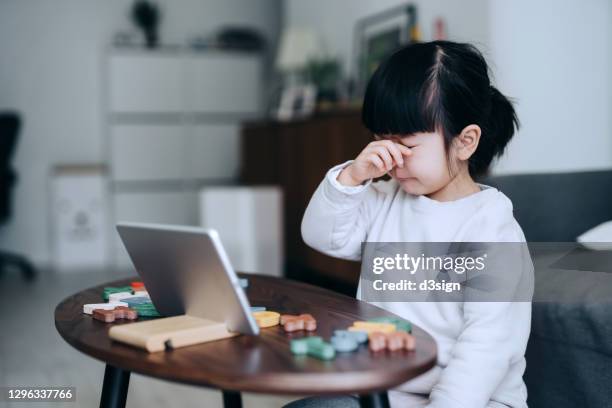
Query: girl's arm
pixel 494 338
pixel 338 216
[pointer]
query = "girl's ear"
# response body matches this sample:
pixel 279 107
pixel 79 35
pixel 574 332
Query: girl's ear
pixel 467 141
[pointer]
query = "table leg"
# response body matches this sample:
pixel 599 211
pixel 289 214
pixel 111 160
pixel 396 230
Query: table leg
pixel 115 387
pixel 375 400
pixel 232 399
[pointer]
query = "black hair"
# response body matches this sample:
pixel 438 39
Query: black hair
pixel 440 86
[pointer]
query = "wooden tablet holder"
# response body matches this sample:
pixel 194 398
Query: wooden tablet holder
pixel 170 332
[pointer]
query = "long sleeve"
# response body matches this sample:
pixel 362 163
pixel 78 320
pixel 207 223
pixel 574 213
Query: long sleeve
pixel 337 218
pixel 494 337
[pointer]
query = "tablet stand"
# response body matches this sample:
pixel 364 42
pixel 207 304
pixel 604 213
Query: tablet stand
pixel 170 332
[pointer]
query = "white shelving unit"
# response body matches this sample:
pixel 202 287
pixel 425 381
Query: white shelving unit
pixel 172 125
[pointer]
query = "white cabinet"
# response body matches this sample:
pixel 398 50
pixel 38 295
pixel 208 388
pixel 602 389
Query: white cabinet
pixel 173 120
pixel 214 151
pixel 175 153
pixel 147 152
pixel 143 82
pixel 176 82
pixel 228 83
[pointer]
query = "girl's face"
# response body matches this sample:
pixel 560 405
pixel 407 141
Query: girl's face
pixel 426 170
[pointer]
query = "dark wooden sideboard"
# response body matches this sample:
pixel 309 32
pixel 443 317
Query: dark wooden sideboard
pixel 295 156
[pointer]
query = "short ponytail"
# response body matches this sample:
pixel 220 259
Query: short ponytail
pixel 497 132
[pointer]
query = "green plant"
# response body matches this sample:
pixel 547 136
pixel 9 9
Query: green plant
pixel 324 73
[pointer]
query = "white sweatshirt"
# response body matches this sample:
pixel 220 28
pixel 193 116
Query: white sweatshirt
pixel 481 346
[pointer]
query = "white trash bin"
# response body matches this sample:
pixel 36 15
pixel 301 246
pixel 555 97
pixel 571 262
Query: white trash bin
pixel 80 217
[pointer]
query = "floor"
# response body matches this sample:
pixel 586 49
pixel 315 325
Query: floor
pixel 33 353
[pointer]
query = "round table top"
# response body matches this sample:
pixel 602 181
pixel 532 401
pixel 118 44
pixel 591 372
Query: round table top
pixel 261 363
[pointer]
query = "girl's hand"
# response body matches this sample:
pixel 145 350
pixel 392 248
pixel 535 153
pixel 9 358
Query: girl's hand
pixel 378 158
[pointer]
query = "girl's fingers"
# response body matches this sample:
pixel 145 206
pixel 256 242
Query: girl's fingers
pixel 384 154
pixel 397 150
pixel 396 153
pixel 376 161
pixel 405 150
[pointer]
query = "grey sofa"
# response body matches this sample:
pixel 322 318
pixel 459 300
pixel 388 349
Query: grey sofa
pixel 569 355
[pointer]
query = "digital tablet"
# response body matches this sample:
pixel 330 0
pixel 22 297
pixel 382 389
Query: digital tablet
pixel 186 271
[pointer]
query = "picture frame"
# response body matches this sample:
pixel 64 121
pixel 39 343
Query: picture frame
pixel 376 37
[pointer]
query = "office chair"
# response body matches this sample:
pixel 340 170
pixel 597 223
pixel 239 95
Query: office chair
pixel 9 128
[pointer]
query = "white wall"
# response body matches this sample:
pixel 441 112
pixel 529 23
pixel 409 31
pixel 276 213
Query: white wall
pixel 555 57
pixel 334 20
pixel 51 61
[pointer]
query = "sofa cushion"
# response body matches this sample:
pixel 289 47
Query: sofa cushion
pixel 557 207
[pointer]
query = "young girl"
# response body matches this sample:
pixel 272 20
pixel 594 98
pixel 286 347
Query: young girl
pixel 437 123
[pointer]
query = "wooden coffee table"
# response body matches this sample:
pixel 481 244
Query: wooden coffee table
pixel 259 364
